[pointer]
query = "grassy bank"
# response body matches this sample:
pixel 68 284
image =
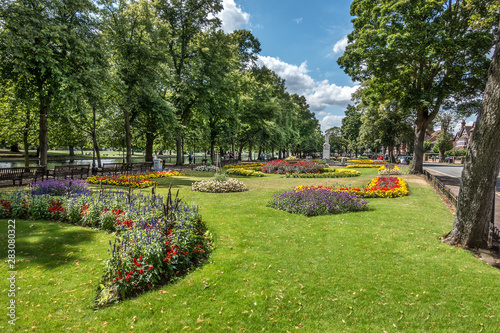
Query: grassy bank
pixel 374 271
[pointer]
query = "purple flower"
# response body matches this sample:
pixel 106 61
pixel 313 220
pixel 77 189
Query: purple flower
pixel 312 202
pixel 60 187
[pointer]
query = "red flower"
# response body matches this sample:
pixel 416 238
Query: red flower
pixel 141 271
pixel 150 267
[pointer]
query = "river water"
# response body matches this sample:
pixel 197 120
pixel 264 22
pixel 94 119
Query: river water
pixel 52 163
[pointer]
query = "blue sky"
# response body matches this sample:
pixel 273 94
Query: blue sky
pixel 301 41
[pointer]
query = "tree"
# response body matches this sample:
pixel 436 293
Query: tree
pixel 337 141
pixel 443 144
pixel 18 117
pixel 482 161
pixel 186 18
pixel 444 140
pixel 141 69
pixel 420 53
pixel 43 45
pixel 351 125
pixel 214 78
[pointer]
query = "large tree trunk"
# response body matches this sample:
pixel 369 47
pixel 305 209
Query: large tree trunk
pixel 250 151
pixel 43 132
pixel 128 136
pixel 149 146
pixel 212 151
pixel 477 189
pixel 71 151
pixel 26 148
pixel 418 153
pixel 391 153
pixel 97 152
pixel 180 153
pixel 240 151
pixel 232 145
pixel 441 156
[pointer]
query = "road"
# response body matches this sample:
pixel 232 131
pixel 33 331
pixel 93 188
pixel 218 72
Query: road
pixel 450 175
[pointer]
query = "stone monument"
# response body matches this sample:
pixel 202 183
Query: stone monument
pixel 326 147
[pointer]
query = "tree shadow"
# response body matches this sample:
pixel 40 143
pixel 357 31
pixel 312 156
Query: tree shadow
pixel 49 244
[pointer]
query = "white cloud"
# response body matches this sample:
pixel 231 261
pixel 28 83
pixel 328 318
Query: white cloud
pixel 232 16
pixel 330 121
pixel 327 94
pixel 319 95
pixel 298 20
pixel 297 80
pixel 339 47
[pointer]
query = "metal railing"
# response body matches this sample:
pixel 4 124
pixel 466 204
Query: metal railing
pixel 493 232
pixel 436 183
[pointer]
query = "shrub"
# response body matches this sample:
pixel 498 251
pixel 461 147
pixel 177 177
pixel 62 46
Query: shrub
pixel 456 153
pixel 317 201
pixel 214 186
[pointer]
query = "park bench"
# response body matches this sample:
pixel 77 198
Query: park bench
pixel 116 168
pixel 141 167
pixel 20 173
pixel 69 171
pixel 113 168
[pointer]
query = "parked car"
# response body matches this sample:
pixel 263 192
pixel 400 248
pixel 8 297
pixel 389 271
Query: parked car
pixel 404 159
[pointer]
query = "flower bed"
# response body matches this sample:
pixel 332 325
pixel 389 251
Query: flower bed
pixel 386 187
pixel 384 171
pixel 317 201
pixel 59 187
pixel 140 180
pixel 379 187
pixel 366 161
pixel 206 168
pixel 245 172
pixel 216 186
pixel 282 167
pixel 328 173
pixel 157 240
pixel 359 166
pixel 250 166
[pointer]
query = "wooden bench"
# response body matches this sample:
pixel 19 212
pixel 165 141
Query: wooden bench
pixel 113 168
pixel 126 167
pixel 141 167
pixel 69 171
pixel 20 173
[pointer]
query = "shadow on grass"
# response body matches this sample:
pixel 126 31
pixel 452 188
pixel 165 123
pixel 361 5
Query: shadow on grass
pixel 50 244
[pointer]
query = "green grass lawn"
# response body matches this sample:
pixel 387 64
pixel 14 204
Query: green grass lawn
pixel 375 271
